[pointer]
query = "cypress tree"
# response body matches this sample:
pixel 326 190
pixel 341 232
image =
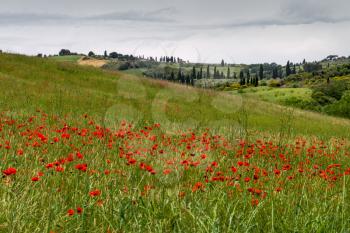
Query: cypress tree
pixel 261 72
pixel 193 76
pixel 188 80
pixel 208 72
pixel 288 70
pixel 179 78
pixel 228 73
pixel 172 76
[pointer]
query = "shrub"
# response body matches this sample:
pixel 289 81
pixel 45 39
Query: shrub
pixel 341 107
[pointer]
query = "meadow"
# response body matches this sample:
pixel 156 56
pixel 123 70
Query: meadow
pixel 86 150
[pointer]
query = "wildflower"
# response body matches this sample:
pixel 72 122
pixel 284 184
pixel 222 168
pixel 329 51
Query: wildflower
pixel 277 172
pixel 79 210
pixel 9 171
pixel 79 155
pixel 197 187
pixel 95 193
pixel 166 171
pixel 35 178
pixel 70 212
pixel 255 202
pixel 81 167
pixel 233 169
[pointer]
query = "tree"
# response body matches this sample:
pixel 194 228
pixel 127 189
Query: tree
pixel 105 54
pixel 172 76
pixel 64 52
pixel 215 74
pixel 208 72
pixel 113 55
pixel 261 72
pixel 179 75
pixel 274 72
pixel 188 80
pixel 222 62
pixel 91 54
pixel 241 78
pixel 201 73
pixel 193 75
pixel 288 70
pixel 228 73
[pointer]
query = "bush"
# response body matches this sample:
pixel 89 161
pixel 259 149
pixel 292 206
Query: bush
pixel 303 104
pixel 322 98
pixel 340 108
pixel 335 89
pixel 124 66
pixel 274 83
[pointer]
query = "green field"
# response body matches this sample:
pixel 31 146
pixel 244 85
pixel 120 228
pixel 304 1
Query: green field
pixel 98 151
pixel 70 58
pixel 277 95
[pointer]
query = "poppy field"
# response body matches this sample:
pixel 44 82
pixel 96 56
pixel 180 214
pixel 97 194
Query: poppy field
pixel 65 168
pixel 63 178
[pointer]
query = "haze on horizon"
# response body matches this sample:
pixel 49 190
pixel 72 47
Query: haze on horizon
pixel 250 31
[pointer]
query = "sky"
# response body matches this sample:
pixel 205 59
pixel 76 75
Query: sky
pixel 206 31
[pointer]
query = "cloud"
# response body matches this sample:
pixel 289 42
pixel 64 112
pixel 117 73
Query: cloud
pixel 293 12
pixel 160 15
pixel 29 18
pixel 163 15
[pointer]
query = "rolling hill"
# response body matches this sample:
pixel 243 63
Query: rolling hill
pixel 87 150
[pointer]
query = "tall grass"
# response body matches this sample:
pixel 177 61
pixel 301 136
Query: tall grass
pixel 65 98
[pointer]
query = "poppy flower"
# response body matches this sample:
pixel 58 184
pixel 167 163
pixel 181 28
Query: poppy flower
pixel 81 167
pixel 9 171
pixel 95 193
pixel 277 172
pixel 35 178
pixel 70 212
pixel 79 210
pixel 197 186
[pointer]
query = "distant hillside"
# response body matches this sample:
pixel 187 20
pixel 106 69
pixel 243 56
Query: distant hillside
pixel 29 83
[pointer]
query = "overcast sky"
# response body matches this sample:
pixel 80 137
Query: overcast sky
pixel 245 31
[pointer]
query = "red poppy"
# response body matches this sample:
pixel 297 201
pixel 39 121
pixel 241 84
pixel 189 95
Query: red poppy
pixel 9 171
pixel 95 193
pixel 70 212
pixel 79 210
pixel 35 178
pixel 81 167
pixel 277 172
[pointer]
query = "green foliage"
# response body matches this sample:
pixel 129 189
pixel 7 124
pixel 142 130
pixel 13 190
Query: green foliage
pixel 274 83
pixel 66 96
pixel 341 107
pixel 333 89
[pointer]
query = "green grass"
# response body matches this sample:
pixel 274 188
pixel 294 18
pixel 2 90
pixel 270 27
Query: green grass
pixel 278 95
pixel 47 98
pixel 29 83
pixel 70 58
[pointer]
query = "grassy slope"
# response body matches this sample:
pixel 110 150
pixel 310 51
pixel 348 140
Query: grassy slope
pixel 133 200
pixel 71 58
pixel 277 95
pixel 65 88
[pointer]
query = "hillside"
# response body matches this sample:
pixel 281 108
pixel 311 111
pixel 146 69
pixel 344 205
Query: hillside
pixel 63 88
pixel 88 150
